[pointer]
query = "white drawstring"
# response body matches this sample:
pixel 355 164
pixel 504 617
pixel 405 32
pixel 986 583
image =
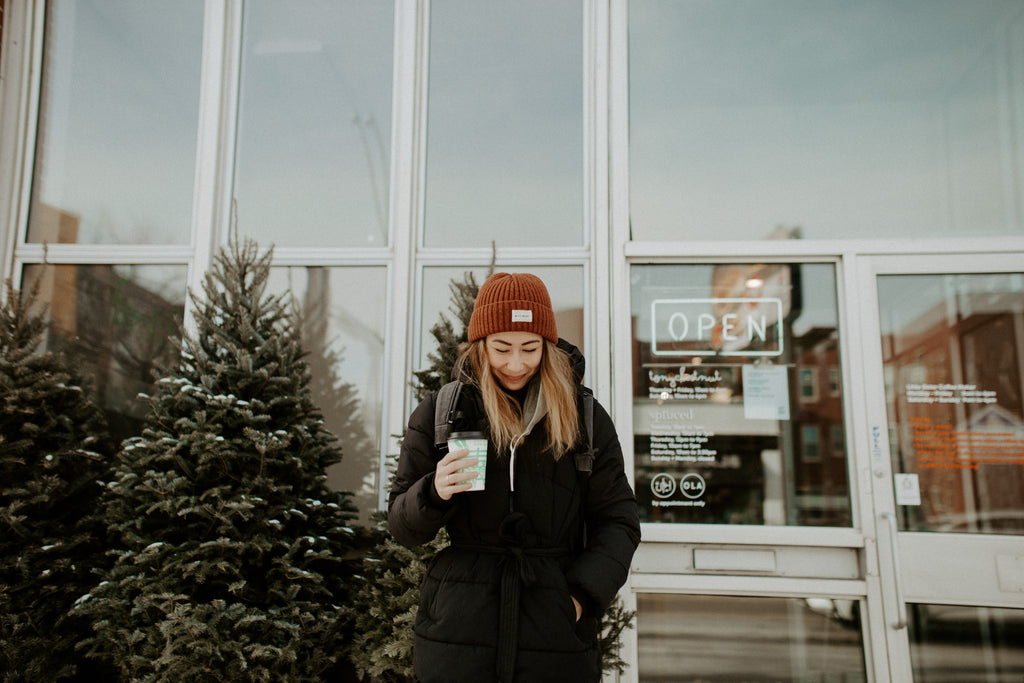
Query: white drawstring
pixel 539 411
pixel 512 463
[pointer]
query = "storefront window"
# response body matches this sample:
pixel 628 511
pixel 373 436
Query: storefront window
pixel 343 336
pixel 118 119
pixel 953 370
pixel 733 420
pixel 312 162
pixel 115 323
pixel 828 119
pixel 505 124
pixel 719 638
pixel 965 643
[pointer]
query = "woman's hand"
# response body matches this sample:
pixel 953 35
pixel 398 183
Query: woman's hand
pixel 579 608
pixel 449 477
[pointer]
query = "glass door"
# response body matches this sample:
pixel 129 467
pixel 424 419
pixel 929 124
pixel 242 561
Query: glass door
pixel 947 458
pixel 752 561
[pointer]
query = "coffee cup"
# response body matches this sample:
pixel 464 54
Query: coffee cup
pixel 476 442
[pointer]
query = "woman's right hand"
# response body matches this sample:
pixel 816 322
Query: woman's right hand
pixel 449 477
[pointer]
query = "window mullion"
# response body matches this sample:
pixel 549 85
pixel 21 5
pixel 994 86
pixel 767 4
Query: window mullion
pixel 20 81
pixel 405 216
pixel 218 103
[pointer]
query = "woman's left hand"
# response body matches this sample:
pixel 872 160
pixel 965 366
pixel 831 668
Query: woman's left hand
pixel 579 608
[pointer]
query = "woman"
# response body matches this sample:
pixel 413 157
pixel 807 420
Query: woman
pixel 518 593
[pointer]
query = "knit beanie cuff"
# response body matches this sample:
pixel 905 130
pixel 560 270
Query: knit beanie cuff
pixel 513 302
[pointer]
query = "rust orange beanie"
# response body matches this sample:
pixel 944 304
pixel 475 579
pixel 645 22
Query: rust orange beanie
pixel 513 302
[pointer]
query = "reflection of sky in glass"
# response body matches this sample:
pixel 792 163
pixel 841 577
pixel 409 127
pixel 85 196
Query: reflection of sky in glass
pixel 312 162
pixel 941 299
pixel 848 119
pixel 162 281
pixel 505 136
pixel 355 324
pixel 118 120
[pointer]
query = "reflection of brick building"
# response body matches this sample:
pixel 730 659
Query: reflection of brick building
pixel 107 321
pixel 57 285
pixel 819 437
pixel 956 415
pixel 116 329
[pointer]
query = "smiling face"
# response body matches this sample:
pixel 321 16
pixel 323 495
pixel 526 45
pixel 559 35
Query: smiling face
pixel 514 357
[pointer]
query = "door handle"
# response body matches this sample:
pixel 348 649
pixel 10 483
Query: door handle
pixel 901 604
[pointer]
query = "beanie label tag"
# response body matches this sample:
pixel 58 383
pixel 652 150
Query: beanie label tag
pixel 521 316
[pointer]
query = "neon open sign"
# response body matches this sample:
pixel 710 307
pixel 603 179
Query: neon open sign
pixel 708 327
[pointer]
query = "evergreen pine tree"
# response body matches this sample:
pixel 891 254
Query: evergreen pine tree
pixel 386 603
pixel 50 432
pixel 614 622
pixel 231 551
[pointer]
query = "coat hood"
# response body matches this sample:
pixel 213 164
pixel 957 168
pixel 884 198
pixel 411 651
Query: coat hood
pixel 576 359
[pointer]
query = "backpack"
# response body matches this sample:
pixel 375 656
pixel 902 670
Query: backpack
pixel 445 413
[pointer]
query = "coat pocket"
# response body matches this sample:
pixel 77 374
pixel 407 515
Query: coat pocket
pixel 430 587
pixel 549 616
pixel 459 599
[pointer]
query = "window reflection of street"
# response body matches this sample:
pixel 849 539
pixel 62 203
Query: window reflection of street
pixel 956 412
pixel 117 323
pixel 693 638
pixel 958 644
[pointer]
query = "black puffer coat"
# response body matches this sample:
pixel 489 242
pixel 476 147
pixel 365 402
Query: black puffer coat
pixel 496 605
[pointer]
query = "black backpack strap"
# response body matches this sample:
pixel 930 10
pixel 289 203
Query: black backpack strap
pixel 444 412
pixel 585 459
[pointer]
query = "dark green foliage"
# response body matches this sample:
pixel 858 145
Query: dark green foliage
pixel 51 440
pixel 385 607
pixel 463 296
pixel 230 556
pixel 615 620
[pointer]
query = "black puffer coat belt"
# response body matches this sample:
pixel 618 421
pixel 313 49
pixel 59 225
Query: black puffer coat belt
pixel 496 604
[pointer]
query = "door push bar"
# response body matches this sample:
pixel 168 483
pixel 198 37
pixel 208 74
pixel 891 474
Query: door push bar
pixel 901 605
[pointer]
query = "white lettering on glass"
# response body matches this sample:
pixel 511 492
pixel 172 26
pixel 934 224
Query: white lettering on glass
pixel 727 326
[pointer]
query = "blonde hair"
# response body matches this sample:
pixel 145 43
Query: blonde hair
pixel 504 413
